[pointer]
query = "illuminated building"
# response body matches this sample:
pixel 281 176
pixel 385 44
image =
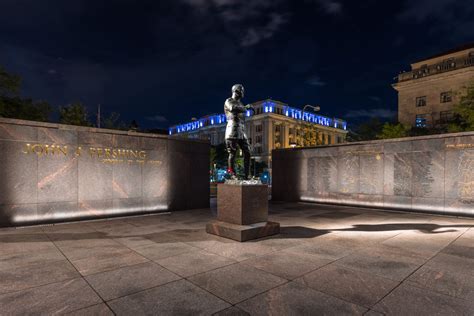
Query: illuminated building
pixel 428 92
pixel 273 125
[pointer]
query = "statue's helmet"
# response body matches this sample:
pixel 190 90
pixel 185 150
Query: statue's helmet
pixel 238 88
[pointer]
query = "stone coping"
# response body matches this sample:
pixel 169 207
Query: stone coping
pixel 92 129
pixel 383 141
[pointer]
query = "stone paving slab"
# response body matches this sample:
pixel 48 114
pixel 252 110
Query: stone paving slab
pixel 50 299
pixel 327 260
pixel 296 299
pixel 129 280
pixel 176 298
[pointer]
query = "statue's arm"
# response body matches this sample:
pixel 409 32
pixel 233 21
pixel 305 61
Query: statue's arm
pixel 234 107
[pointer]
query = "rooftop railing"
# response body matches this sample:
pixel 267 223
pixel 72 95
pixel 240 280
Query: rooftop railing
pixel 444 66
pixel 267 107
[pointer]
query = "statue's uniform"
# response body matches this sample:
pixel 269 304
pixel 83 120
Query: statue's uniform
pixel 235 133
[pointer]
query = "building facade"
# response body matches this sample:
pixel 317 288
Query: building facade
pixel 428 92
pixel 273 125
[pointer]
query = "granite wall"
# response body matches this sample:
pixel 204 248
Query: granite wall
pixel 53 172
pixel 430 173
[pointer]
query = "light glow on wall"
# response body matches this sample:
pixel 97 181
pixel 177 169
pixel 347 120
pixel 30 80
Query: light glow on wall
pixel 26 219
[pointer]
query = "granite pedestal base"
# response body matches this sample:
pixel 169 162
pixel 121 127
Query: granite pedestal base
pixel 242 213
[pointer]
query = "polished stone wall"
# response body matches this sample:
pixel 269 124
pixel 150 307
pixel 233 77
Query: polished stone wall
pixel 430 173
pixel 92 173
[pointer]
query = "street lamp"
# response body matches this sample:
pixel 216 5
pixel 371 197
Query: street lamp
pixel 315 108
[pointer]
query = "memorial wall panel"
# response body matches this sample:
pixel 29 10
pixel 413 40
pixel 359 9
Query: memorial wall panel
pixel 53 172
pixel 430 173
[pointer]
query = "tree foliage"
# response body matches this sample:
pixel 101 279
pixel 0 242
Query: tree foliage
pixel 74 114
pixel 366 131
pixel 13 106
pixel 9 84
pixel 218 156
pixel 390 130
pixel 464 112
pixel 112 121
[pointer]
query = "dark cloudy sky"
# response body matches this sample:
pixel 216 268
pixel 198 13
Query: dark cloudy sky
pixel 163 61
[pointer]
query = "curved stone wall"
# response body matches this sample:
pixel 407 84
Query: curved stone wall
pixel 53 172
pixel 430 173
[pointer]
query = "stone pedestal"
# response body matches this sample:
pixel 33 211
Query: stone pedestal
pixel 242 212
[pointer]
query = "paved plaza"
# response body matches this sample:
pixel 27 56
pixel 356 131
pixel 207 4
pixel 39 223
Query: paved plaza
pixel 329 260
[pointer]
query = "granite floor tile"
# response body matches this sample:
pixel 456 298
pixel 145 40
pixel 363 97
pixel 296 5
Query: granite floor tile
pixel 296 299
pixel 463 249
pixel 129 280
pixel 425 244
pixel 444 281
pixel 350 285
pixel 159 251
pixel 195 262
pixel 85 251
pixel 95 310
pixel 324 249
pixel 287 265
pixel 237 282
pixel 409 300
pixel 176 298
pixel 237 251
pixel 390 265
pixel 27 276
pixel 20 259
pixel 232 311
pixel 134 241
pixel 449 262
pixel 51 299
pixel 101 262
pixel 373 313
pixel 24 243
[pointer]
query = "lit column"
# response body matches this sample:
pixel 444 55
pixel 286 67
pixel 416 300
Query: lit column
pixel 285 142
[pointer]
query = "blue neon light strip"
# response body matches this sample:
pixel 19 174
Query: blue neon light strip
pixel 268 107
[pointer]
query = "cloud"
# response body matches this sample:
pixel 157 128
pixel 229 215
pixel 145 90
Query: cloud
pixel 249 22
pixel 453 17
pixel 330 6
pixel 255 35
pixel 315 81
pixel 157 118
pixel 380 113
pixel 375 98
pixel 422 10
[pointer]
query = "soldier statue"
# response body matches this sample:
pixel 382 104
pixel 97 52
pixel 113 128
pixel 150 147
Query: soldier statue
pixel 235 131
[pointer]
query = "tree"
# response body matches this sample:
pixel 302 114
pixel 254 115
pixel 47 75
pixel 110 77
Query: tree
pixel 390 130
pixel 366 131
pixel 74 114
pixel 9 84
pixel 464 112
pixel 13 106
pixel 310 137
pixel 218 156
pixel 112 122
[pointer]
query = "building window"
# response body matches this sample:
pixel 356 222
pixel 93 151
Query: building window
pixel 420 120
pixel 446 116
pixel 258 150
pixel 277 128
pixel 446 97
pixel 258 128
pixel 421 101
pixel 258 139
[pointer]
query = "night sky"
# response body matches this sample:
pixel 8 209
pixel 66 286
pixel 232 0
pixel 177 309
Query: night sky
pixel 162 62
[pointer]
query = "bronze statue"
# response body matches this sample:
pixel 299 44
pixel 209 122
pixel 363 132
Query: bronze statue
pixel 235 130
